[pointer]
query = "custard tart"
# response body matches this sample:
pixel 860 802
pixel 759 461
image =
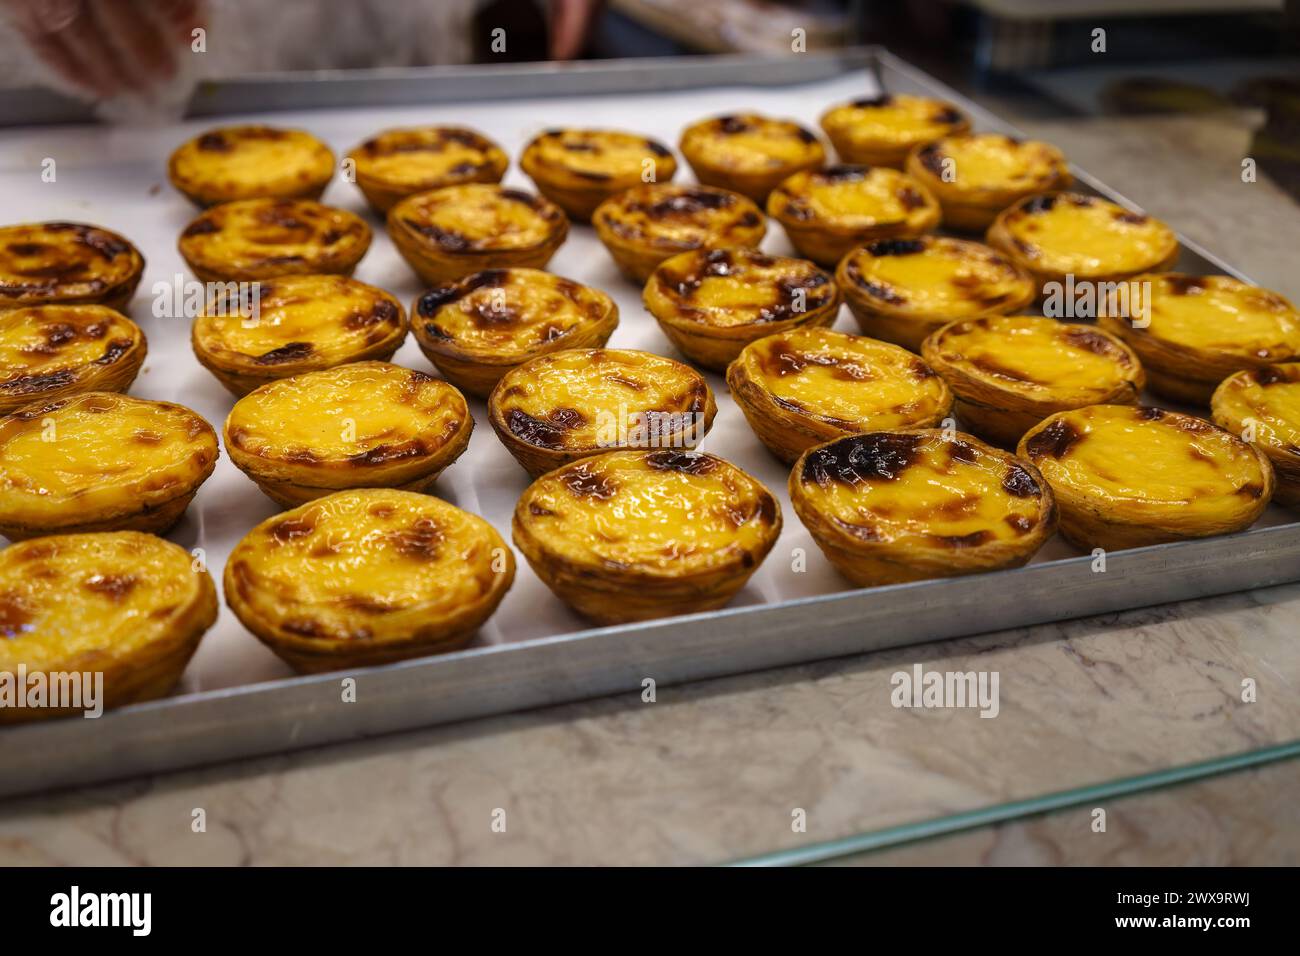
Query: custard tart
pixel 578 169
pixel 827 212
pixel 402 162
pixel 806 386
pixel 1195 331
pixel 635 535
pixel 901 290
pixel 976 176
pixel 713 302
pixel 66 263
pixel 125 605
pixel 894 506
pixel 363 425
pixel 100 461
pixel 1084 237
pixel 266 238
pixel 749 153
pixel 1009 372
pixel 647 224
pixel 1264 405
pixel 302 324
pixel 49 351
pixel 558 408
pixel 251 162
pixel 1126 476
pixel 882 130
pixel 367 576
pixel 450 233
pixel 476 329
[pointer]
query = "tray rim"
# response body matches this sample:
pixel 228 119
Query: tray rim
pixel 124 744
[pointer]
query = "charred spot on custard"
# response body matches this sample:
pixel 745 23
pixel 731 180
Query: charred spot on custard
pixel 972 540
pixel 1056 440
pixel 421 540
pixel 544 433
pixel 1038 204
pixel 1185 285
pixel 685 462
pixel 582 482
pixel 880 456
pixel 896 247
pixel 1091 341
pixel 115 587
pixel 292 352
pixel 290 529
pixel 1020 483
pixel 1268 375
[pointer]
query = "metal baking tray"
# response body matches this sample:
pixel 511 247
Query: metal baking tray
pixel 237 700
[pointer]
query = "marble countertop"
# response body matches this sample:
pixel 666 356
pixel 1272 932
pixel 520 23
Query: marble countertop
pixel 719 770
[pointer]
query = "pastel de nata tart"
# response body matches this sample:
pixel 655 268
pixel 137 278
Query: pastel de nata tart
pixel 367 576
pixel 633 535
pixel 809 385
pixel 1091 239
pixel 976 176
pixel 66 263
pixel 251 162
pixel 578 169
pixel 476 329
pixel 1263 405
pixel 1009 372
pixel 895 506
pixel 99 461
pixel 452 232
pixel 302 324
pixel 749 153
pixel 647 224
pixel 1195 331
pixel 402 162
pixel 580 402
pixel 126 605
pixel 49 351
pixel 256 239
pixel 827 212
pixel 882 130
pixel 711 303
pixel 901 290
pixel 1126 476
pixel 362 425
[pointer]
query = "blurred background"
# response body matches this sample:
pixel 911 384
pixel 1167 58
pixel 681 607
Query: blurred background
pixel 1233 64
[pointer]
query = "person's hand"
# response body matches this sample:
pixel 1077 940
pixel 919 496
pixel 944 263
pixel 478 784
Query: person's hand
pixel 571 21
pixel 106 47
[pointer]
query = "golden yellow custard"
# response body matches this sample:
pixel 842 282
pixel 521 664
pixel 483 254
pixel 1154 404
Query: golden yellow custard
pixel 647 224
pixel 901 290
pixel 749 153
pixel 713 302
pixel 1126 476
pixel 578 169
pixel 267 238
pixel 50 351
pixel 62 263
pixel 894 506
pixel 827 212
pixel 975 177
pixel 478 328
pixel 1262 405
pixel 100 461
pixel 362 425
pixel 128 606
pixel 882 130
pixel 401 162
pixel 1062 234
pixel 634 535
pixel 251 162
pixel 301 324
pixel 1009 372
pixel 449 233
pixel 1192 332
pixel 367 576
pixel 809 385
pixel 561 407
